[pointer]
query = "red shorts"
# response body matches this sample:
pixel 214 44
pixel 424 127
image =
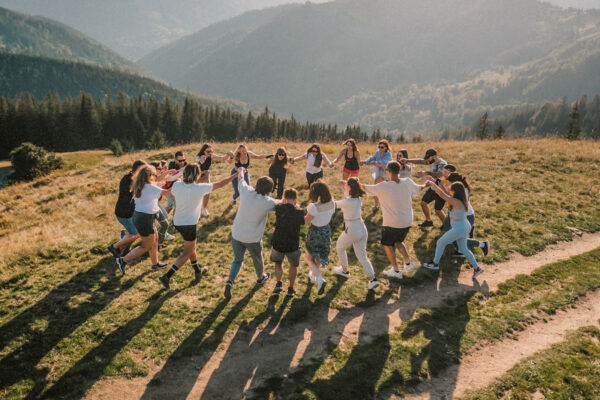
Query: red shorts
pixel 351 172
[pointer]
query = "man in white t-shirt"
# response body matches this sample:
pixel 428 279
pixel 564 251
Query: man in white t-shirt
pixel 395 197
pixel 249 226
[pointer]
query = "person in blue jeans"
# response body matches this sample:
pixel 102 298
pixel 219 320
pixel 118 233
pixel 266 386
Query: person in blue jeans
pixel 241 159
pixel 460 226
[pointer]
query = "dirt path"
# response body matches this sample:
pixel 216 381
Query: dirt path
pixel 476 369
pixel 258 351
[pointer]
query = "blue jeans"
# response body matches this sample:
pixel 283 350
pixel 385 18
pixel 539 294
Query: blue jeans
pixel 458 233
pixel 234 182
pixel 239 248
pixel 128 225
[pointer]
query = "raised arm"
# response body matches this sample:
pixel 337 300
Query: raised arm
pixel 450 200
pixel 224 182
pixel 416 160
pixel 338 156
pixel 226 156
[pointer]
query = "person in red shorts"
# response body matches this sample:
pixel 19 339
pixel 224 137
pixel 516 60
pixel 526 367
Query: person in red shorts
pixel 352 159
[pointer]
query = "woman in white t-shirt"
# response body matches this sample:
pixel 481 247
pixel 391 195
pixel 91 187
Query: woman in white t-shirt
pixel 188 197
pixel 318 237
pixel 405 166
pixel 355 232
pixel 314 160
pixel 145 196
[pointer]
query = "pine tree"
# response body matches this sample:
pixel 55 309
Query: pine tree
pixel 158 140
pixel 573 128
pixel 499 133
pixel 484 129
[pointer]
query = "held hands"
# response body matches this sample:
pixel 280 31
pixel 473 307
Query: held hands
pixel 342 183
pixel 422 173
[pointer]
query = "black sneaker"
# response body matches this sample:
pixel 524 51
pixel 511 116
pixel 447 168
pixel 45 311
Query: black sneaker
pixel 486 247
pixel 114 251
pixel 458 254
pixel 266 276
pixel 164 280
pixel 200 272
pixel 228 289
pixel 158 266
pixel 278 287
pixel 121 265
pixel 291 292
pixel 321 287
pixel 123 233
pixel 426 223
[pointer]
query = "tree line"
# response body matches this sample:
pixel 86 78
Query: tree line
pixel 83 122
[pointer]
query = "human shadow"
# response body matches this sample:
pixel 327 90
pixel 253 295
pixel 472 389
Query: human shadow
pixel 62 319
pixel 169 380
pixel 89 369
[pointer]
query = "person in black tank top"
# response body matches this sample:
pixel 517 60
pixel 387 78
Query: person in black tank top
pixel 204 160
pixel 241 158
pixel 351 157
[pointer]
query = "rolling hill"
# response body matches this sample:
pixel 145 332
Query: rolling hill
pixel 362 61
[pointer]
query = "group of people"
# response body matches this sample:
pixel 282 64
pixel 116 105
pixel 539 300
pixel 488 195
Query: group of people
pixel 187 188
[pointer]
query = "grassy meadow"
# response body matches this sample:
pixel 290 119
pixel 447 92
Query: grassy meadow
pixel 68 318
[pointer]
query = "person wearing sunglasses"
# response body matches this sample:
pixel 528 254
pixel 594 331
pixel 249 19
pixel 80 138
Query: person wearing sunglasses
pixel 352 159
pixel 278 164
pixel 241 159
pixel 314 159
pixel 379 162
pixel 176 165
pixel 204 160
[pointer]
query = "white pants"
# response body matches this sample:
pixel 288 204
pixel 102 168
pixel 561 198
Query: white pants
pixel 354 235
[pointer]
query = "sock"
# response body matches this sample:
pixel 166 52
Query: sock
pixel 482 244
pixel 320 279
pixel 196 266
pixel 171 271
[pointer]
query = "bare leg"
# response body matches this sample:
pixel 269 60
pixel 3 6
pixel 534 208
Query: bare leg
pixel 127 239
pixel 278 271
pixel 345 175
pixel 441 215
pixel 292 272
pixel 402 249
pixel 425 208
pixel 390 252
pixel 149 244
pixel 189 251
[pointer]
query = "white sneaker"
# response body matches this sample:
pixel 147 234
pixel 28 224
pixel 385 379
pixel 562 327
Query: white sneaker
pixel 204 212
pixel 391 273
pixel 373 284
pixel 168 236
pixel 311 277
pixel 340 271
pixel 409 267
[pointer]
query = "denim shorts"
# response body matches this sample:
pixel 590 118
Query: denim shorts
pixel 128 225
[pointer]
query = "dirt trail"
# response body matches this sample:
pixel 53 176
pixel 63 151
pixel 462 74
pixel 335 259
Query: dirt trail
pixel 256 352
pixel 476 370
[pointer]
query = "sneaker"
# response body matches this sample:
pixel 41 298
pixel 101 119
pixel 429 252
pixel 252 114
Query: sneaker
pixel 431 265
pixel 233 202
pixel 200 273
pixel 123 233
pixel 458 254
pixel 477 272
pixel 158 266
pixel 168 236
pixel 278 287
pixel 228 289
pixel 125 251
pixel 266 276
pixel 114 251
pixel 373 283
pixel 121 265
pixel 291 292
pixel 321 287
pixel 311 277
pixel 486 247
pixel 374 208
pixel 204 212
pixel 409 267
pixel 392 273
pixel 164 280
pixel 340 271
pixel 426 223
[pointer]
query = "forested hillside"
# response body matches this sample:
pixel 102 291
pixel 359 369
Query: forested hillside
pixel 35 36
pixel 406 66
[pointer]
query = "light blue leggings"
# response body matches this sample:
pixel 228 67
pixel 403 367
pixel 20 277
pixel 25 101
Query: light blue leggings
pixel 458 233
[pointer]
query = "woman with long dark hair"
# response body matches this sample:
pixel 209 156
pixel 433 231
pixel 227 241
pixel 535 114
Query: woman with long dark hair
pixel 352 159
pixel 318 237
pixel 460 227
pixel 145 196
pixel 314 160
pixel 204 160
pixel 405 166
pixel 278 170
pixel 241 158
pixel 355 232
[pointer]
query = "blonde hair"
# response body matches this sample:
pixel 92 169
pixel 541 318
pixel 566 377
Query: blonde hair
pixel 236 154
pixel 140 178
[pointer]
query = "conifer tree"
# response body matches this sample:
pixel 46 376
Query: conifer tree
pixel 483 129
pixel 573 128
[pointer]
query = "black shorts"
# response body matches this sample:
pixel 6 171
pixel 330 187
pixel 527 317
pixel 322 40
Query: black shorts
pixel 390 236
pixel 144 223
pixel 430 195
pixel 188 232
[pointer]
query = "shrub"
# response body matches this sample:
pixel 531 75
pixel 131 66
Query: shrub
pixel 158 140
pixel 116 148
pixel 30 161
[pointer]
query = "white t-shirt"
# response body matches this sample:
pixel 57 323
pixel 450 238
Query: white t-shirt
pixel 321 213
pixel 310 163
pixel 251 218
pixel 189 201
pixel 148 202
pixel 471 211
pixel 351 207
pixel 396 201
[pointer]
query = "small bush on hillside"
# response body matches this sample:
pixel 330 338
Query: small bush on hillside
pixel 116 147
pixel 30 161
pixel 158 140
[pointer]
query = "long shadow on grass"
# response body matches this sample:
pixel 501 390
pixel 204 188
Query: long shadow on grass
pixel 178 376
pixel 82 376
pixel 62 319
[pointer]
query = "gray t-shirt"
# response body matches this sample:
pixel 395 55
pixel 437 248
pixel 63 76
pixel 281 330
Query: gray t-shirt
pixel 438 166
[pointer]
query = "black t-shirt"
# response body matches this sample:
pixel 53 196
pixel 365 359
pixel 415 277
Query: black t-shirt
pixel 125 205
pixel 288 220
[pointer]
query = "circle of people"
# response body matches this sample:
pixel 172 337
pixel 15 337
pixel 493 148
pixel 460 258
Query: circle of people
pixel 187 189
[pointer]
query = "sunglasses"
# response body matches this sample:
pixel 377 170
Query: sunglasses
pixel 280 154
pixel 181 160
pixel 382 147
pixel 314 151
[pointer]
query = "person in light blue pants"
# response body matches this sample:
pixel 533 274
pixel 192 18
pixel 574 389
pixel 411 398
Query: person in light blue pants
pixel 460 226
